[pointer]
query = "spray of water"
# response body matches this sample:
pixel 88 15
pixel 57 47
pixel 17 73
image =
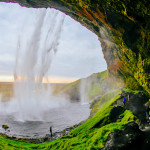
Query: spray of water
pixel 32 98
pixel 85 86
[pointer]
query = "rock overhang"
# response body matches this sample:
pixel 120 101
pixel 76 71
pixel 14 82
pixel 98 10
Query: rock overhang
pixel 122 28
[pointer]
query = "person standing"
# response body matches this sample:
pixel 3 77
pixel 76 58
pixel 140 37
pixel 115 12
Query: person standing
pixel 124 101
pixel 51 131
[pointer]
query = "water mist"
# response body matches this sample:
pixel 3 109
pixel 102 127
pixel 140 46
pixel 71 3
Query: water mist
pixel 85 86
pixel 33 98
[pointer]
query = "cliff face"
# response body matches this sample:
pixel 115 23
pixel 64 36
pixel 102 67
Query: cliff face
pixel 123 28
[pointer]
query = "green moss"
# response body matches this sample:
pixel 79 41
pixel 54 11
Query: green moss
pixel 5 126
pixel 96 89
pixel 135 91
pixel 101 75
pixel 140 75
pixel 104 101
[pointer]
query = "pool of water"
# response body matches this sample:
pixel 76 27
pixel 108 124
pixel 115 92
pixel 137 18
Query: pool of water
pixel 59 118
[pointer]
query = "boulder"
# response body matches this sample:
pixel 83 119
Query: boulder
pixel 129 138
pixel 5 126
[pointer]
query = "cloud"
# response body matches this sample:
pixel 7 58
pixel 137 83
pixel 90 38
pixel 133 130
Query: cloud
pixel 79 52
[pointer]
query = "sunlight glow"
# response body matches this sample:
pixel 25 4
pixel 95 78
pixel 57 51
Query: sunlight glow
pixel 10 78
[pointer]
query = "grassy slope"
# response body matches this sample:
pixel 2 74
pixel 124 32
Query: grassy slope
pixel 102 102
pixel 99 84
pixel 100 76
pixel 83 137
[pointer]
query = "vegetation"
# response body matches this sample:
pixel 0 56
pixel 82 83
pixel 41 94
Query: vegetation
pixel 104 101
pixel 96 85
pixel 93 134
pixel 136 91
pixel 5 126
pixel 95 90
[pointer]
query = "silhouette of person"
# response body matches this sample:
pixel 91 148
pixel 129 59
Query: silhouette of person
pixel 50 131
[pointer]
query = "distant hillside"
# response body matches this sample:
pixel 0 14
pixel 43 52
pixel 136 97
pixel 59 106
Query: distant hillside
pixel 95 85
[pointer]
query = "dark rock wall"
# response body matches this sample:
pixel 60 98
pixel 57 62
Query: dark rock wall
pixel 129 138
pixel 123 28
pixel 135 103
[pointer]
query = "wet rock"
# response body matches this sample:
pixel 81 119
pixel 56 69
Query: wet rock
pixel 114 114
pixel 129 138
pixel 136 104
pixel 45 139
pixel 146 139
pixel 5 126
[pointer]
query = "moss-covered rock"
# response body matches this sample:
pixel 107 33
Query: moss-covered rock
pixel 135 102
pixel 129 137
pixel 5 126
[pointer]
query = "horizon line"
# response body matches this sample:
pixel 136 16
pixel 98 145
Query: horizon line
pixel 51 80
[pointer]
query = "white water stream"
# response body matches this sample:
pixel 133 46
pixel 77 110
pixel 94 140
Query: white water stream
pixel 32 98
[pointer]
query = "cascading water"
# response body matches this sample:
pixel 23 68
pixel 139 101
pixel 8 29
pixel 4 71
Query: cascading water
pixel 85 86
pixel 32 97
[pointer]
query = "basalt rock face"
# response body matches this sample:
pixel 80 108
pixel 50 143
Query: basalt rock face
pixel 129 137
pixel 123 28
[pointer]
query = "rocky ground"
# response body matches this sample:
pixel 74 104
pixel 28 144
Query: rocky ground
pixel 47 138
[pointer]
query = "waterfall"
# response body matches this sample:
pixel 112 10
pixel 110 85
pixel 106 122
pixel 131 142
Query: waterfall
pixel 85 86
pixel 33 98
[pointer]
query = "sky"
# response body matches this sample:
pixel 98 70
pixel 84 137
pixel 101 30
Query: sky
pixel 79 52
